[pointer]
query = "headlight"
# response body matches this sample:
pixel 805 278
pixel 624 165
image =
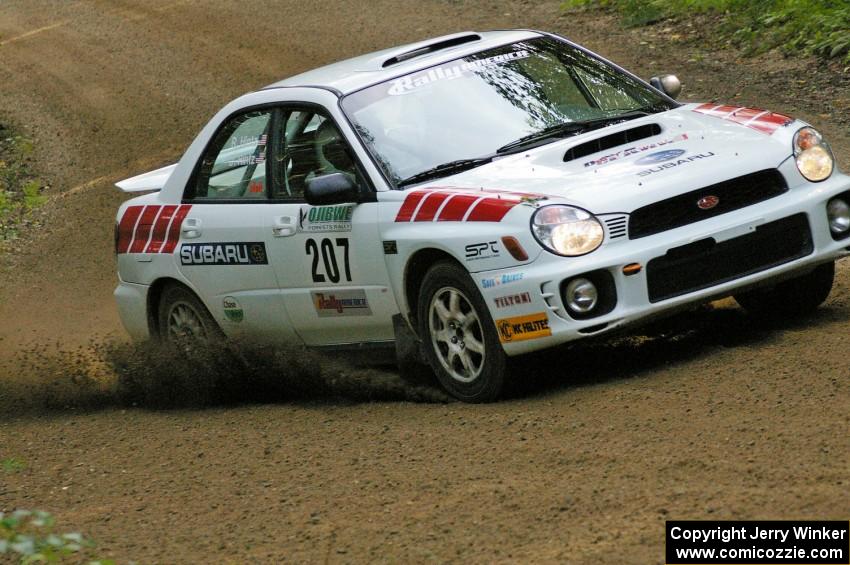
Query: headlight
pixel 813 155
pixel 566 230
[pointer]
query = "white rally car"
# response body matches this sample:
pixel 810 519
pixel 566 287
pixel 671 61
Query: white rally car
pixel 474 197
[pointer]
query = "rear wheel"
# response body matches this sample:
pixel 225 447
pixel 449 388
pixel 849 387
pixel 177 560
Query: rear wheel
pixel 793 297
pixel 184 320
pixel 460 340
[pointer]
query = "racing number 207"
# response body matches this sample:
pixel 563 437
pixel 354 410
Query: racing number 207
pixel 328 258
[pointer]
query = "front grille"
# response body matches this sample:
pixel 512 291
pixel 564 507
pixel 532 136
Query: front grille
pixel 615 225
pixel 682 210
pixel 706 263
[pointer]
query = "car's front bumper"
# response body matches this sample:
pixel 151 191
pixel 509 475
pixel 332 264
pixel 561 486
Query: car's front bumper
pixel 543 278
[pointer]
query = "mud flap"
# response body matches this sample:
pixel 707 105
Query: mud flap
pixel 408 352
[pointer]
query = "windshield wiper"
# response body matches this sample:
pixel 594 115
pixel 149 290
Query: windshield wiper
pixel 445 169
pixel 567 129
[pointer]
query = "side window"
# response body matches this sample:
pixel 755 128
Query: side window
pixel 234 166
pixel 309 145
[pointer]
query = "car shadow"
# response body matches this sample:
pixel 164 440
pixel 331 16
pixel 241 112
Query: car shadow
pixel 683 338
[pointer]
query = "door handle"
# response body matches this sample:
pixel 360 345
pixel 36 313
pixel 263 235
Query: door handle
pixel 284 226
pixel 191 228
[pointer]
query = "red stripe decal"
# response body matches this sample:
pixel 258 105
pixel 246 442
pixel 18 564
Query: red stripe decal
pixel 767 122
pixel 405 213
pixel 491 210
pixel 126 227
pixel 744 115
pixel 174 231
pixel 455 209
pixel 143 229
pixel 763 127
pixel 774 118
pixel 160 229
pixel 430 206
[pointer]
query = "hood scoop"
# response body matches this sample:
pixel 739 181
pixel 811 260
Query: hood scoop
pixel 612 140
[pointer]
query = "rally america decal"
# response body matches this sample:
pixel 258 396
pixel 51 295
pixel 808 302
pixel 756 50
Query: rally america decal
pixel 521 328
pixel 236 253
pixel 341 303
pixel 151 229
pixel 407 84
pixel 760 120
pixel 459 205
pixel 325 218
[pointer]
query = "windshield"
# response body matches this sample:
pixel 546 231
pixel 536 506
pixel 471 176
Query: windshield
pixel 470 107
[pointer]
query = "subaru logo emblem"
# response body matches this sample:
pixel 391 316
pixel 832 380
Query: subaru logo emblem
pixel 708 202
pixel 660 156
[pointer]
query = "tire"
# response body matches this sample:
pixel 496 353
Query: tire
pixel 183 320
pixel 451 317
pixel 794 297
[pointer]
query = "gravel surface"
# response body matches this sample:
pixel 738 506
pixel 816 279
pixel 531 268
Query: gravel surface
pixel 705 416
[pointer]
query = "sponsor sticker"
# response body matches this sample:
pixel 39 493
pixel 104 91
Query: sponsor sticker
pixel 237 253
pixel 507 278
pixel 410 83
pixel 232 309
pixel 341 303
pixel 521 328
pixel 637 149
pixel 512 300
pixel 672 160
pixel 483 250
pixel 325 218
pixel 660 156
pixel 390 247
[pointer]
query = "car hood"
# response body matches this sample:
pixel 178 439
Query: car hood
pixel 692 150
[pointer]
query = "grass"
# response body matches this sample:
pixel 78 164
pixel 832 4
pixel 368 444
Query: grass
pixel 807 27
pixel 12 465
pixel 20 190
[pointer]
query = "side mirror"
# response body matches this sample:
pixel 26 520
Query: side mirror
pixel 668 84
pixel 335 188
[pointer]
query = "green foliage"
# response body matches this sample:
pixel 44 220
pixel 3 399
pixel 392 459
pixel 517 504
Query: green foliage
pixel 20 192
pixel 12 465
pixel 819 27
pixel 29 536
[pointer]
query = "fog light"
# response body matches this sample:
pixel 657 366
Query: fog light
pixel 838 213
pixel 581 295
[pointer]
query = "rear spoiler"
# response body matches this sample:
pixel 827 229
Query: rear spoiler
pixel 153 180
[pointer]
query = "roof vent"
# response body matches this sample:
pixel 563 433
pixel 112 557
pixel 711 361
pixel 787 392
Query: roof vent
pixel 612 140
pixel 439 44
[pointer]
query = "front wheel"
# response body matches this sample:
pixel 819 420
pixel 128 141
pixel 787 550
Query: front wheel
pixel 459 336
pixel 793 297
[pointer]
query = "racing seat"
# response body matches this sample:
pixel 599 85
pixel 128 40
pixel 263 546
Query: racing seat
pixel 332 153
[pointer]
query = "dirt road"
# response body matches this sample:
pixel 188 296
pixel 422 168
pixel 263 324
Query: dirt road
pixel 706 417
